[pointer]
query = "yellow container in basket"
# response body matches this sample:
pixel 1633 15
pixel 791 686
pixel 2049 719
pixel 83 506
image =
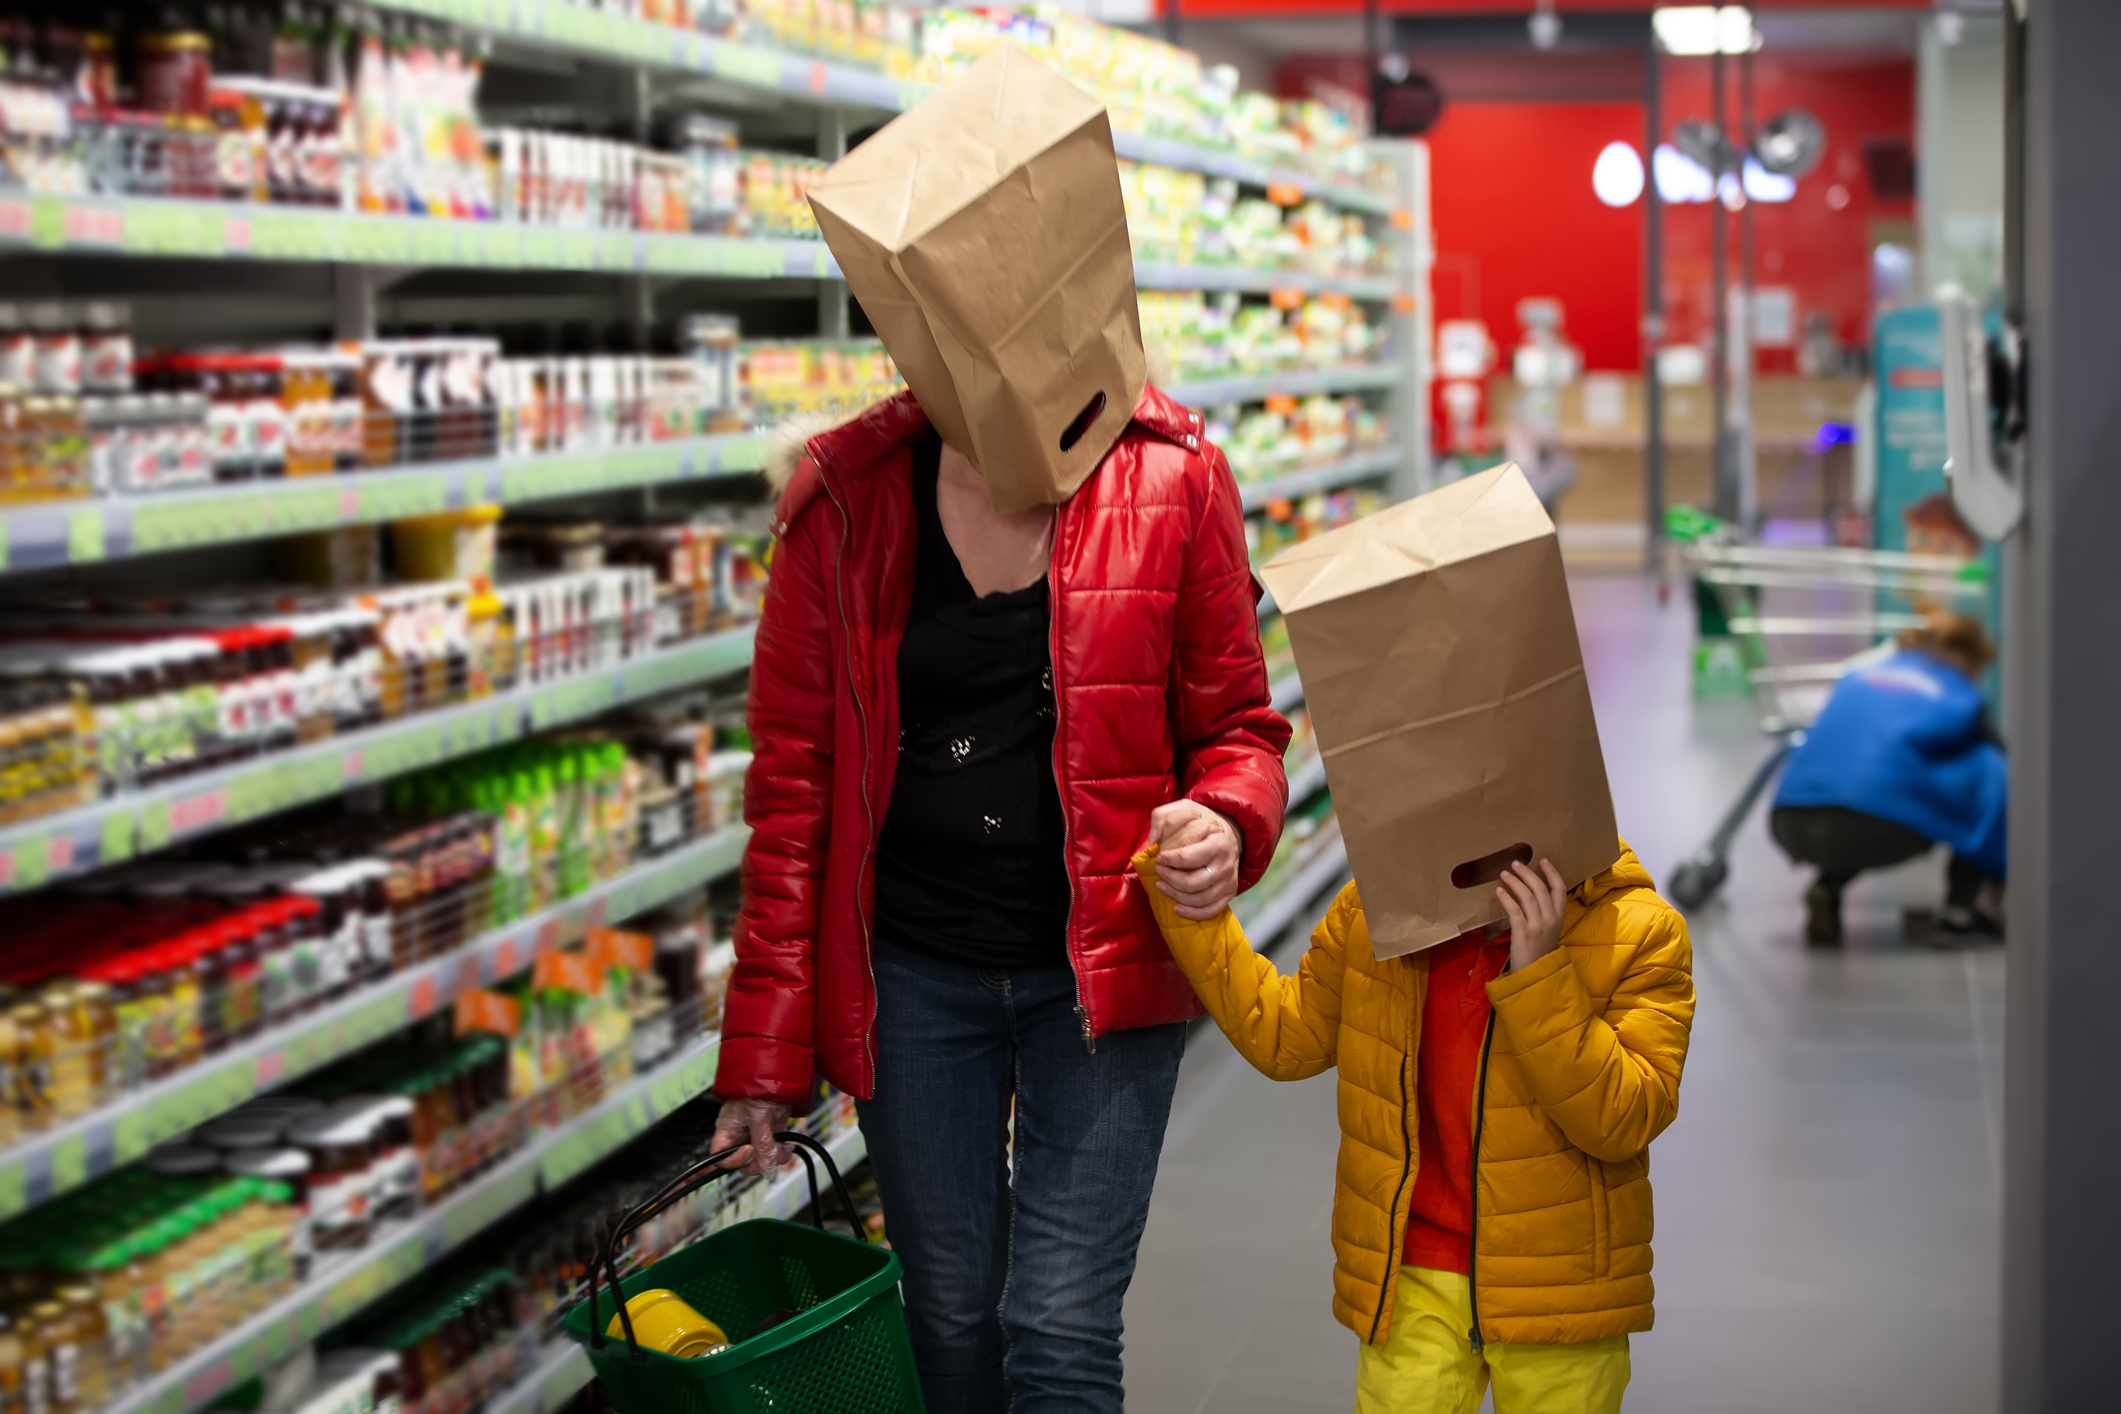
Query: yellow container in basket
pixel 663 1321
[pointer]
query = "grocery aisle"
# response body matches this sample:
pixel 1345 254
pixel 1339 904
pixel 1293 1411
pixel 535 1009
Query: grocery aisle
pixel 1827 1205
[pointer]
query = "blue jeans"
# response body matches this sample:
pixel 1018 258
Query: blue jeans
pixel 1013 1291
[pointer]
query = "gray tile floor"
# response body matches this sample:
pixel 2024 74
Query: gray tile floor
pixel 1827 1203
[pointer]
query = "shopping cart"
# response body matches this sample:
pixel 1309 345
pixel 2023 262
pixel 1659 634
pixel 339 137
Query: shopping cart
pixel 1802 617
pixel 814 1317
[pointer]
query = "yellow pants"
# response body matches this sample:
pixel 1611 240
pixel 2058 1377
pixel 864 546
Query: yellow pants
pixel 1428 1364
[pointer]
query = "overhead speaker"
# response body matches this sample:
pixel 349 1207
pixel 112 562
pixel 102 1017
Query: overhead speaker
pixel 1403 102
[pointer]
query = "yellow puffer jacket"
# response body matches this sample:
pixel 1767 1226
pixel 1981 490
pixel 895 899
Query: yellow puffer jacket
pixel 1582 1072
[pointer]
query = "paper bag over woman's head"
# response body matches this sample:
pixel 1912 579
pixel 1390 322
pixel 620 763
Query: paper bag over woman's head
pixel 1444 681
pixel 984 234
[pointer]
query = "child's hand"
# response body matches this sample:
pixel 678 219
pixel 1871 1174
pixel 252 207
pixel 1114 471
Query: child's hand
pixel 1534 905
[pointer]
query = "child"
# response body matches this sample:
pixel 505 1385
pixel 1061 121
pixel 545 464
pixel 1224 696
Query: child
pixel 1551 1051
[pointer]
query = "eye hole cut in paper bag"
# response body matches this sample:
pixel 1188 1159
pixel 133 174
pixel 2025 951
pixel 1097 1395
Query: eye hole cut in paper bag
pixel 984 234
pixel 1445 682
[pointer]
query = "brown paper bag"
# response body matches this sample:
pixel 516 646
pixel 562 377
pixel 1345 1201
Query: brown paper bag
pixel 1442 673
pixel 984 234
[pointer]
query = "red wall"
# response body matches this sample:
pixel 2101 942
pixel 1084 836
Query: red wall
pixel 1515 214
pixel 1515 217
pixel 1822 253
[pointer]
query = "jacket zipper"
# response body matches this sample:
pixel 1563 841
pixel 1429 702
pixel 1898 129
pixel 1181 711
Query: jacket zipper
pixel 1060 781
pixel 1406 1170
pixel 1480 1116
pixel 868 809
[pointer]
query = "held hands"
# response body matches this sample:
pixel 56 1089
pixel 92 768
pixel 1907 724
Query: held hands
pixel 752 1123
pixel 1197 855
pixel 1534 905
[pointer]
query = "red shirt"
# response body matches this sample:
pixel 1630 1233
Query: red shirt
pixel 1454 1021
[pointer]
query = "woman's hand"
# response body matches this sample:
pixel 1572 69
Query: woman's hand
pixel 1197 855
pixel 751 1123
pixel 1534 905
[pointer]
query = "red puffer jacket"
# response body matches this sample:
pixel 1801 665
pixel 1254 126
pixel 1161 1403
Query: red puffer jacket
pixel 1159 687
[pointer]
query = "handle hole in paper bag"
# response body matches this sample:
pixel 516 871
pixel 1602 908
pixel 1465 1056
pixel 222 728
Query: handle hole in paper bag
pixel 1090 413
pixel 1489 867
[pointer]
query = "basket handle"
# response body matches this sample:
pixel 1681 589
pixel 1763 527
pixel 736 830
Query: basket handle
pixel 698 1176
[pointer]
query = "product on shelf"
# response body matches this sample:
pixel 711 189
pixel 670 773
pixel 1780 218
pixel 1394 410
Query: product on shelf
pixel 190 954
pixel 1283 523
pixel 1196 335
pixel 1186 218
pixel 1288 435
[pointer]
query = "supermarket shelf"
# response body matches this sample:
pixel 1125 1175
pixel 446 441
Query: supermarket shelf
pixel 578 29
pixel 1284 693
pixel 223 230
pixel 563 1369
pixel 160 227
pixel 1273 916
pixel 47 1164
pixel 109 831
pixel 1246 279
pixel 50 534
pixel 1363 467
pixel 1293 383
pixel 340 1286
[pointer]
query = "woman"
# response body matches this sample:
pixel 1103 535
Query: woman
pixel 1901 758
pixel 966 722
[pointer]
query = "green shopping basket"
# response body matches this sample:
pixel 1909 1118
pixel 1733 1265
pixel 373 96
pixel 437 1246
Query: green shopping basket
pixel 843 1351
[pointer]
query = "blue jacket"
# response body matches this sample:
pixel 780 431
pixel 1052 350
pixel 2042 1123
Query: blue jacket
pixel 1907 740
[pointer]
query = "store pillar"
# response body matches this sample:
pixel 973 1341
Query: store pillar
pixel 2062 1150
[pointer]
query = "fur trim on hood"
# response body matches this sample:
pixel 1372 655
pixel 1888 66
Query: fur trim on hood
pixel 785 445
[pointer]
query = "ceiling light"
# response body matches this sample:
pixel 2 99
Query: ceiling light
pixel 1681 181
pixel 1791 143
pixel 1763 185
pixel 1617 175
pixel 1704 29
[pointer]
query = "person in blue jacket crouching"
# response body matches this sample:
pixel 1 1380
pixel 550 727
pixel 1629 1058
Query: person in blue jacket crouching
pixel 1902 758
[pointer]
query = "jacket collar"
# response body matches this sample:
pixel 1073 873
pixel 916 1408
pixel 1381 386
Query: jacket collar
pixel 853 447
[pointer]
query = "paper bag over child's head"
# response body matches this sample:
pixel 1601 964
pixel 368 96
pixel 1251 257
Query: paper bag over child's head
pixel 1443 677
pixel 984 234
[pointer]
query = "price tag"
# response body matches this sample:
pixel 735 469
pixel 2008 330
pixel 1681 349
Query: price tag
pixel 69 1163
pixel 277 234
pixel 564 1383
pixel 270 1069
pixel 740 63
pixel 84 536
pixel 33 862
pixel 14 1189
pixel 155 825
pixel 481 1010
pixel 47 222
pixel 298 507
pixel 117 844
pixel 184 520
pixel 434 242
pixel 174 228
pixel 570 701
pixel 505 964
pixel 423 996
pixel 400 496
pixel 197 812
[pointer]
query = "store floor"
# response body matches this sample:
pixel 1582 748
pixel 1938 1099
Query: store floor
pixel 1827 1203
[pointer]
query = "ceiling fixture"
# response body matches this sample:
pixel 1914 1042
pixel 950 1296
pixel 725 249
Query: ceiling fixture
pixel 1544 26
pixel 1790 144
pixel 1617 175
pixel 1705 29
pixel 1681 181
pixel 1705 143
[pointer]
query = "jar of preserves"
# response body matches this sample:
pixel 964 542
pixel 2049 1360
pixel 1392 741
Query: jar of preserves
pixel 341 1149
pixel 175 73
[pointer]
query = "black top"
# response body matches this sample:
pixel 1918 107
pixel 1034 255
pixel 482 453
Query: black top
pixel 970 867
